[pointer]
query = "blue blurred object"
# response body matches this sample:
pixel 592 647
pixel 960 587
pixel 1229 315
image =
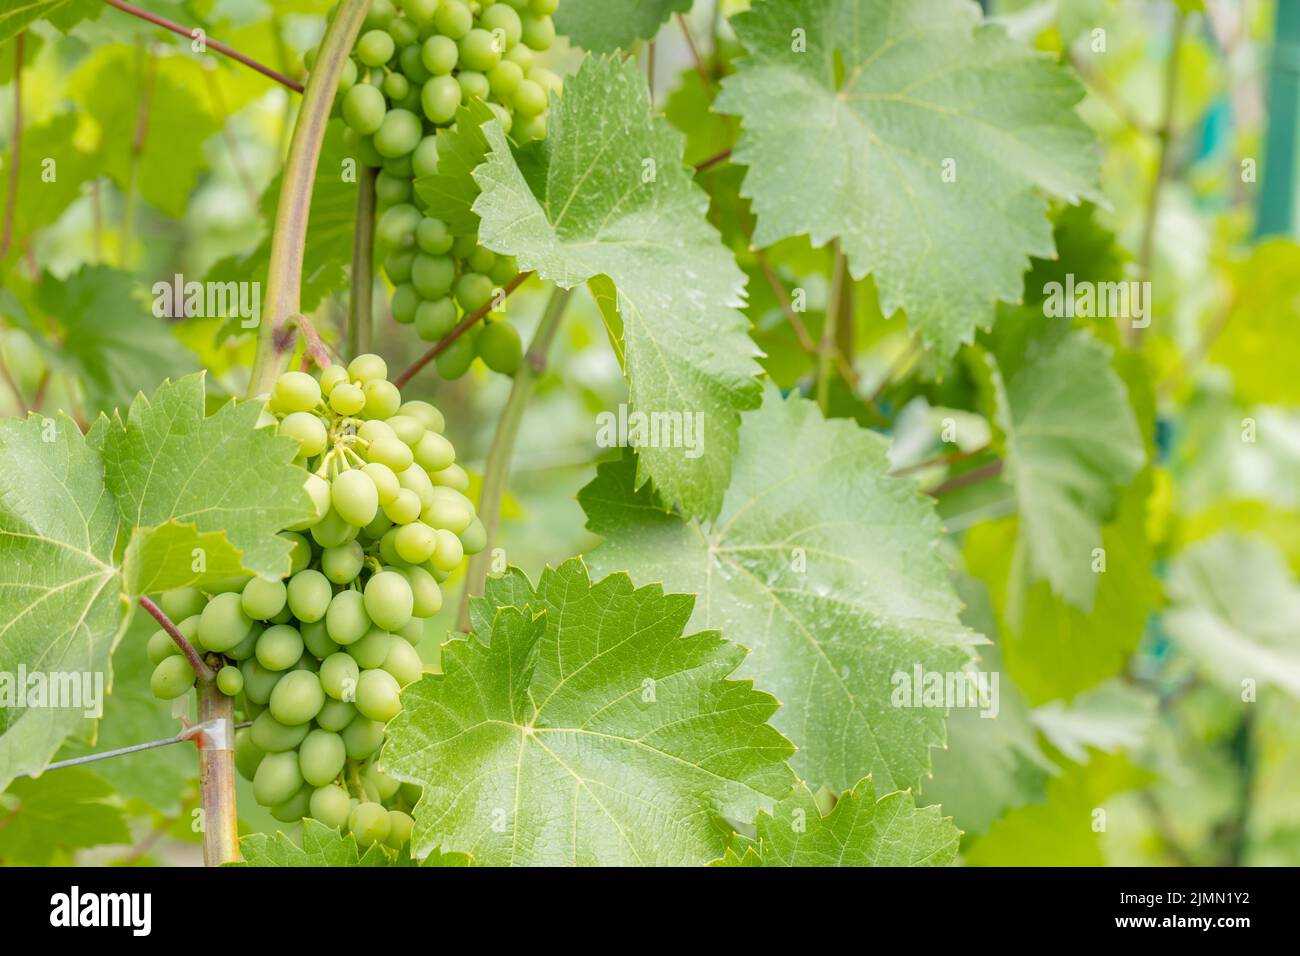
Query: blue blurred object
pixel 1276 212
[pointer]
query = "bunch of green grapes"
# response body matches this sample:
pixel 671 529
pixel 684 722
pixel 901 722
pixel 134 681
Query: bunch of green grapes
pixel 317 661
pixel 409 73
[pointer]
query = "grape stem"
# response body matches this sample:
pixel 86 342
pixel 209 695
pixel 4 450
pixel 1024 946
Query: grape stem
pixel 314 348
pixel 497 467
pixel 966 478
pixel 827 348
pixel 361 310
pixel 289 239
pixel 192 34
pixel 465 325
pixel 201 670
pixel 7 238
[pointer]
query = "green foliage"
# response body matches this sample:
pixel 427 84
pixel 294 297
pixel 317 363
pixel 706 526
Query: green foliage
pixel 66 810
pixel 603 26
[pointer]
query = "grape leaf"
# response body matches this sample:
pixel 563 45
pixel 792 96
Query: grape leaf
pixel 1071 440
pixel 606 195
pixel 64 809
pixel 159 559
pixel 60 605
pixel 47 148
pixel 168 462
pixel 63 14
pixel 1258 341
pixel 826 568
pixel 106 337
pixel 1234 608
pixel 323 846
pixel 917 137
pixel 449 194
pixel 860 830
pixel 585 730
pixel 603 26
pixel 1113 716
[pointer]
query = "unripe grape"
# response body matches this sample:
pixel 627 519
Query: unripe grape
pixel 333 531
pixel 410 430
pixel 426 596
pixel 348 78
pixel 473 291
pixel 362 737
pixel 372 650
pixel 321 757
pixel 262 599
pixel 546 79
pixel 347 621
pixel 274 737
pixel 171 678
pixel 388 548
pixel 247 754
pixel 390 451
pixel 338 676
pixel 473 85
pixel 230 681
pixel 342 564
pixel 521 55
pixel 318 492
pixel 355 497
pixel 403 662
pixel 367 368
pixel 398 265
pixel 450 551
pixel 405 508
pixel 295 392
pixel 500 348
pixel 380 15
pixel 391 190
pixel 180 603
pixel 403 31
pixel 433 237
pixel 388 600
pixel 413 633
pixel 415 543
pixel 416 479
pixel 543 8
pixel 434 320
pixel 331 806
pixel 331 376
pixel 277 779
pixel 501 17
pixel 439 98
pixel 504 79
pixel 382 398
pixel 428 415
pixel 456 360
pixel 480 50
pixel 453 476
pixel 538 33
pixel 377 528
pixel 449 509
pixel 297 698
pixel 504 269
pixel 374 779
pixel 474 537
pixel 424 159
pixel 420 11
pixel 369 821
pixel 398 134
pixel 309 595
pixel 258 681
pixel 299 551
pixel 295 808
pixel 347 399
pixel 375 48
pixel 160 647
pixel 529 98
pixel 531 128
pixel 405 302
pixel 463 247
pixel 336 715
pixel 223 623
pixel 378 696
pixel 395 229
pixel 433 276
pixel 364 108
pixel 453 19
pixel 433 452
pixel 281 645
pixel 400 828
pixel 372 429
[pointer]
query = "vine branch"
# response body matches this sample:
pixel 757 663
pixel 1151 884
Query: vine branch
pixel 827 348
pixel 695 50
pixel 200 667
pixel 966 478
pixel 361 317
pixel 189 34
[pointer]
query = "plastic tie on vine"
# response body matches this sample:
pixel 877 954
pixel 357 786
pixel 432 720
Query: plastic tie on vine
pixel 215 734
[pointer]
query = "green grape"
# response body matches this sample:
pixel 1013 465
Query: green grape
pixel 409 430
pixel 295 808
pixel 277 779
pixel 415 543
pixel 403 662
pixel 377 528
pixel 375 48
pixel 480 50
pixel 230 681
pixel 439 55
pixel 543 8
pixel 316 639
pixel 386 485
pixel 300 551
pixel 331 376
pixel 453 476
pixel 258 680
pixel 400 828
pixel 412 66
pixel 180 603
pixel 529 98
pixel 403 31
pixel 428 415
pixel 384 786
pixel 306 429
pixel 531 128
pixel 449 551
pixel 405 508
pixel 309 595
pixel 347 399
pixel 433 452
pixel 433 320
pixel 247 754
pixel 538 33
pixel 398 134
pixel 397 264
pixel 373 429
pixel 395 229
pixel 247 647
pixel 342 564
pixel 504 79
pixel 295 392
pixel 369 821
pixel 504 269
pixel 481 260
pixel 318 491
pixel 280 646
pixel 413 633
pixel 391 190
pixel 348 78
pixel 263 599
pixel 456 360
pixel 473 291
pixel 426 596
pixel 440 98
pixel 450 509
pixel 404 304
pixel 380 15
pixel 424 159
pixel 411 793
pixel 365 149
pixel 378 696
pixel 223 623
pixel 388 600
pixel 336 714
pixel 433 276
pixel 346 620
pixel 382 398
pixel 297 698
pixel 474 537
pixel 275 737
pixel 501 17
pixel 160 647
pixel 390 451
pixel 364 108
pixel 416 479
pixel 331 805
pixel 463 247
pixel 306 662
pixel 453 19
pixel 546 79
pixel 333 531
pixel 372 650
pixel 500 348
pixel 473 85
pixel 355 497
pixel 388 548
pixel 369 366
pixel 520 55
pixel 362 737
pixel 338 676
pixel 321 757
pixel 420 11
pixel 433 237
pixel 171 678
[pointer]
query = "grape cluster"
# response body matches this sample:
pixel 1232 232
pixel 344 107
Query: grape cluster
pixel 317 661
pixel 409 73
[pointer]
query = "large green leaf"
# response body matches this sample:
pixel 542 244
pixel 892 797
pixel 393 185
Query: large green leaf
pixel 918 138
pixel 51 174
pixel 585 729
pixel 168 462
pixel 64 14
pixel 860 830
pixel 66 809
pixel 603 26
pixel 60 600
pixel 606 195
pixel 826 568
